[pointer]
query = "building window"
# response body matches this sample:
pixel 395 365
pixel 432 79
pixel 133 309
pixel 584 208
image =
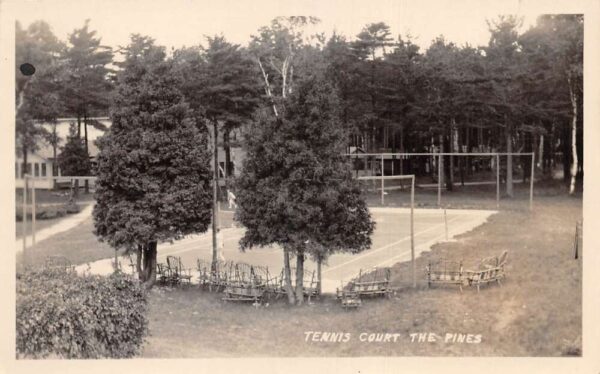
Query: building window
pixel 36 168
pixel 44 169
pixel 28 170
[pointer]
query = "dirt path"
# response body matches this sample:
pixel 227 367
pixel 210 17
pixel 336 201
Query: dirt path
pixel 64 224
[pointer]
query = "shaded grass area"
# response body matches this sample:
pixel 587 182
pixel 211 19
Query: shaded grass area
pixel 42 223
pixel 537 311
pixel 44 196
pixel 46 201
pixel 79 245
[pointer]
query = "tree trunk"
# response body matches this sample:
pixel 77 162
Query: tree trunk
pixel 468 159
pixel 215 198
pixel 300 278
pixel 509 159
pixel 319 278
pixel 287 275
pixel 147 273
pixel 448 164
pixel 78 126
pixel 573 140
pixel 87 152
pixel 76 189
pixel 566 154
pixel 227 148
pixel 24 167
pixel 138 264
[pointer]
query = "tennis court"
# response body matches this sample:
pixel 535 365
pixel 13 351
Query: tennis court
pixel 391 244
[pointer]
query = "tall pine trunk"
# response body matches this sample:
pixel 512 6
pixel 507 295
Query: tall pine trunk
pixel 574 156
pixel 319 278
pixel 300 278
pixel 227 148
pixel 287 275
pixel 24 167
pixel 509 159
pixel 87 152
pixel 146 263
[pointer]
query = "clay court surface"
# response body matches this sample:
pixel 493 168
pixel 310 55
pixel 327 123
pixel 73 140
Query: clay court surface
pixel 391 244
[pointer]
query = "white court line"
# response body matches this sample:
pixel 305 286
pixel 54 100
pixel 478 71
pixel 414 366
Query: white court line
pixel 426 244
pixel 386 246
pixel 199 246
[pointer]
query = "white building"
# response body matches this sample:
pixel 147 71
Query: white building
pixel 41 163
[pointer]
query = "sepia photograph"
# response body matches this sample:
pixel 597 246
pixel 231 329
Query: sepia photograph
pixel 298 180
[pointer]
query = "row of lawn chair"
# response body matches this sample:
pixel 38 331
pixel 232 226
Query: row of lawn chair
pixel 172 272
pixel 489 270
pixel 368 284
pixel 245 282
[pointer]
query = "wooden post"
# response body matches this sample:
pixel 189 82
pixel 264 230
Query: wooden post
pixel 439 181
pixel 382 182
pixel 319 276
pixel 214 207
pixel 32 211
pixel 531 182
pixel 497 181
pixel 576 244
pixel 24 214
pixel 412 231
pixel 446 224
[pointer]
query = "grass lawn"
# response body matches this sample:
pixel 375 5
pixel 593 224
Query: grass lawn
pixel 46 200
pixel 537 311
pixel 79 245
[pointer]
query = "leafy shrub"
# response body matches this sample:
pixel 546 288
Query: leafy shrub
pixel 61 314
pixel 42 212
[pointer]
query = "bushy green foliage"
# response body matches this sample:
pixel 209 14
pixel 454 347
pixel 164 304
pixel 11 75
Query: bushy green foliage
pixel 154 164
pixel 296 187
pixel 61 314
pixel 74 159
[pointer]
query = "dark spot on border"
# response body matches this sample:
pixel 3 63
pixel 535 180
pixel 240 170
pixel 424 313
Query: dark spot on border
pixel 27 69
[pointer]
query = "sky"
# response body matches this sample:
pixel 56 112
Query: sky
pixel 177 23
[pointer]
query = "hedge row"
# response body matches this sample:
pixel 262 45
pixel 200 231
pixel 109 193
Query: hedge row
pixel 61 314
pixel 48 212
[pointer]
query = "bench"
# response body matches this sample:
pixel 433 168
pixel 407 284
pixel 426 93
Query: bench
pixel 446 272
pixel 489 270
pixel 373 283
pixel 172 272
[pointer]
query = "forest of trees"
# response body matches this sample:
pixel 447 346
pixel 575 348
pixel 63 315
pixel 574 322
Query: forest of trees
pixel 521 92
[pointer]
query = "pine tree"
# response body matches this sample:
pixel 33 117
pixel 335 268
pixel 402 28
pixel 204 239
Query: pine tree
pixel 154 177
pixel 87 84
pixel 36 95
pixel 296 187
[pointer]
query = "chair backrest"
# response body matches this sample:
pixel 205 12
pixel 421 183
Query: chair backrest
pixel 174 264
pixel 502 258
pixel 488 262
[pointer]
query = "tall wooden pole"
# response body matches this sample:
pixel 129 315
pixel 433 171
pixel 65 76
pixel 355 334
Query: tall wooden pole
pixel 215 191
pixel 446 223
pixel 440 181
pixel 497 181
pixel 531 182
pixel 24 214
pixel 32 211
pixel 412 231
pixel 382 182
